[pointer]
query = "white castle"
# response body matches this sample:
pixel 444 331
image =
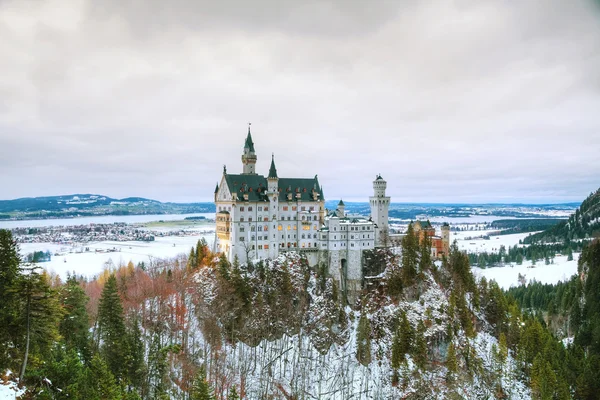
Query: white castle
pixel 261 217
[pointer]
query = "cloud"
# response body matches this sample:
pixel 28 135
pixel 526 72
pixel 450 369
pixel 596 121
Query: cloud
pixel 450 101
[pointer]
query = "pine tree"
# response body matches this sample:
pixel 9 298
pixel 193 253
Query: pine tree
pixel 9 310
pixel 397 355
pixel 233 394
pixel 363 340
pixel 41 313
pixel 410 244
pixel 406 335
pixel 420 352
pixel 98 383
pixel 201 390
pixel 451 363
pixel 74 327
pixel 112 329
pixel 425 253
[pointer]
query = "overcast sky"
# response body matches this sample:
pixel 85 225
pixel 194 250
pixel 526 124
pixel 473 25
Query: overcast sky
pixel 451 101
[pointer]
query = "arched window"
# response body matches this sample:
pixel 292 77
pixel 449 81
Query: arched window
pixel 260 228
pixel 253 228
pixel 241 219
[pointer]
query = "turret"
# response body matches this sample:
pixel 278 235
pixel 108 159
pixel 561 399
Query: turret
pixel 341 209
pixel 446 238
pixel 380 204
pixel 272 179
pixel 249 156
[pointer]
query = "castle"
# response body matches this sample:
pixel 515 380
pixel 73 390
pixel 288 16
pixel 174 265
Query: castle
pixel 260 217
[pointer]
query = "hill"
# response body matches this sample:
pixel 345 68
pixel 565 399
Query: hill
pixel 92 204
pixel 584 223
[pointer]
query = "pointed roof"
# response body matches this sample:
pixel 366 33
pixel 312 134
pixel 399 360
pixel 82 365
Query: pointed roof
pixel 341 203
pixel 272 170
pixel 249 143
pixel 217 188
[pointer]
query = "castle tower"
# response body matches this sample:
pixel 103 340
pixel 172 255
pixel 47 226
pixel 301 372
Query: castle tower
pixel 341 209
pixel 380 205
pixel 249 156
pixel 273 194
pixel 446 238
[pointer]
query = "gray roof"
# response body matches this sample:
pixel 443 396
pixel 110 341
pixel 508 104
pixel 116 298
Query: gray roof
pixel 256 187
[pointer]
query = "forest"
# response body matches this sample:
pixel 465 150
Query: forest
pixel 200 327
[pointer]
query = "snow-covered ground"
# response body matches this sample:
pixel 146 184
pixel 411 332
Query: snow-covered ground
pixel 92 262
pixel 561 270
pixel 481 245
pixel 105 219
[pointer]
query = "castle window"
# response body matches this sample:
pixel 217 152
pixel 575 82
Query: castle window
pixel 294 227
pixel 303 244
pixel 282 237
pixel 303 208
pixel 303 218
pixel 315 244
pixel 250 208
pixel 241 229
pixel 315 218
pixel 253 228
pixel 260 219
pixel 260 228
pixel 241 219
pixel 315 236
pixel 259 208
pixel 266 228
pixel 249 219
pixel 241 238
pixel 351 244
pixel 241 208
pixel 266 246
pixel 279 227
pixel 266 219
pixel 334 245
pixel 253 247
pixel 312 208
pixel 294 208
pixel 260 246
pixel 285 208
pixel 289 227
pixel 253 237
pixel 289 218
pixel 303 236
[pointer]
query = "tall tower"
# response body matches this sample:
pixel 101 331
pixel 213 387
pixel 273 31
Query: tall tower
pixel 249 157
pixel 380 205
pixel 273 194
pixel 446 238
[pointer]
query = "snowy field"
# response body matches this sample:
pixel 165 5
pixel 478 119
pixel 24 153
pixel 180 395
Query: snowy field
pixel 561 270
pixel 481 245
pixel 105 219
pixel 91 263
pixel 508 276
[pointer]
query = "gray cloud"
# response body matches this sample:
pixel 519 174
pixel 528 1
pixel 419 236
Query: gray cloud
pixel 450 101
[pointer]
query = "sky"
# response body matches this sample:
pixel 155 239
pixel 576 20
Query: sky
pixel 451 101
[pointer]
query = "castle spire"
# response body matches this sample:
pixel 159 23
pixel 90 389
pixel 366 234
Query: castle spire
pixel 272 170
pixel 249 143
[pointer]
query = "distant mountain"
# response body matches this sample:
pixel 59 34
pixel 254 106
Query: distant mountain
pixel 92 204
pixel 583 223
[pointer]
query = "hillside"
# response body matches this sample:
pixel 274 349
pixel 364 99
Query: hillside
pixel 92 204
pixel 584 223
pixel 276 329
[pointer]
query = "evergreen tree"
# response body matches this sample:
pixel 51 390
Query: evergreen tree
pixel 406 335
pixel 233 394
pixel 74 327
pixel 201 390
pixel 111 325
pixel 40 315
pixel 9 310
pixel 425 253
pixel 397 355
pixel 98 383
pixel 420 352
pixel 410 245
pixel 363 340
pixel 451 363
